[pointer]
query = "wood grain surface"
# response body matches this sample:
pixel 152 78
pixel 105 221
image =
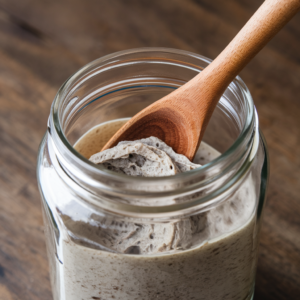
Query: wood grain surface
pixel 43 42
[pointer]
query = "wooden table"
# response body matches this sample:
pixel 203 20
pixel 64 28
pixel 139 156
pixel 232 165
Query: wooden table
pixel 43 42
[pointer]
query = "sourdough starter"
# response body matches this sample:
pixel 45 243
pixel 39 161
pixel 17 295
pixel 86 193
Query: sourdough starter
pixel 210 256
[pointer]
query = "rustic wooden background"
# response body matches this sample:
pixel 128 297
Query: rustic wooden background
pixel 43 42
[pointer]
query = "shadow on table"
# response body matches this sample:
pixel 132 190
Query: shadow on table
pixel 270 285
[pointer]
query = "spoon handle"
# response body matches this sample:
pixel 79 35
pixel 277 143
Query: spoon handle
pixel 258 31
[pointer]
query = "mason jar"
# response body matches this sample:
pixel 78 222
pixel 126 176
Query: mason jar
pixel 189 236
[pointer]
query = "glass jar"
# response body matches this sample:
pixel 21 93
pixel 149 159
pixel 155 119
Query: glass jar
pixel 189 236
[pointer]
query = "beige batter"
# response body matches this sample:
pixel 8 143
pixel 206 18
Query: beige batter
pixel 212 257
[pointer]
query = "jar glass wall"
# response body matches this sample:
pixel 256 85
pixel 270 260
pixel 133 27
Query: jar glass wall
pixel 189 236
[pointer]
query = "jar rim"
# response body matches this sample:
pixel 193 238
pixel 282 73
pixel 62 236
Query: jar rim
pixel 64 146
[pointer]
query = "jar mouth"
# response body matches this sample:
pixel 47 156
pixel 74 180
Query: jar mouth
pixel 185 182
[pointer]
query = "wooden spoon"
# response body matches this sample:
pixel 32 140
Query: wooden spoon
pixel 181 117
